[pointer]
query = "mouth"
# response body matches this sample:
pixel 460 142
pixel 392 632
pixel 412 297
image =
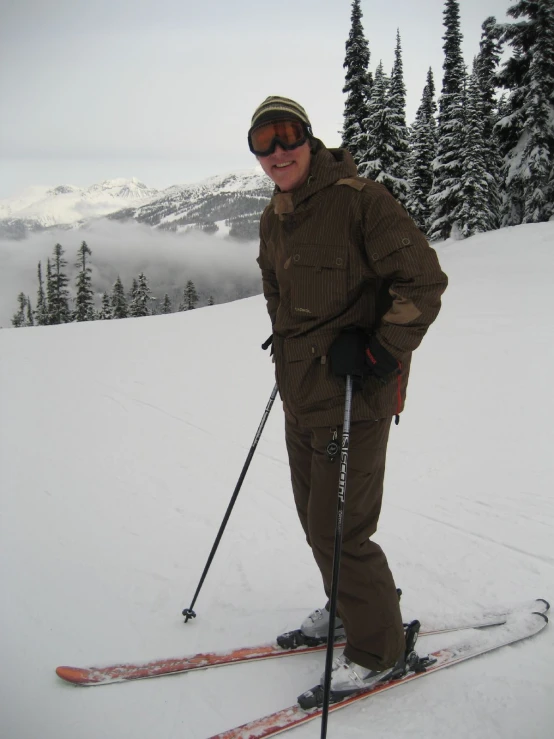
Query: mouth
pixel 283 165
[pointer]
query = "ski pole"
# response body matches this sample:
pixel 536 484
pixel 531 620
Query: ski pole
pixel 188 612
pixel 341 502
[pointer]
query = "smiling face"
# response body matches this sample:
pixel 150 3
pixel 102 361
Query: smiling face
pixel 288 169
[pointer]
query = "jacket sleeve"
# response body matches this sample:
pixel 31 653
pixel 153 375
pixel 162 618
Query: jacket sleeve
pixel 269 280
pixel 400 255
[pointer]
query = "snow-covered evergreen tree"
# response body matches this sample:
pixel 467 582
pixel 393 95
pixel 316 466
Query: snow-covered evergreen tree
pixel 50 296
pixel 41 312
pixel 119 301
pixel 133 290
pixel 358 83
pixel 377 158
pixel 527 131
pixel 58 302
pixel 29 319
pixel 84 302
pixel 190 297
pixel 211 300
pixel 18 319
pixel 140 305
pixel 166 305
pixel 474 214
pixel 106 311
pixel 423 147
pixel 486 66
pixel 396 177
pixel 445 197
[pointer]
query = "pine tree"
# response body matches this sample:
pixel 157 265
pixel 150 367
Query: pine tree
pixel 58 304
pixel 29 321
pixel 527 131
pixel 211 300
pixel 140 305
pixel 423 150
pixel 50 293
pixel 84 302
pixel 474 214
pixel 41 312
pixel 377 159
pixel 445 197
pixel 166 305
pixel 18 319
pixel 106 312
pixel 358 84
pixel 190 297
pixel 396 176
pixel 486 66
pixel 119 301
pixel 133 290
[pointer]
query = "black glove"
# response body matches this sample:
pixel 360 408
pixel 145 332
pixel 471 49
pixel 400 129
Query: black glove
pixel 268 343
pixel 380 362
pixel 354 353
pixel 347 355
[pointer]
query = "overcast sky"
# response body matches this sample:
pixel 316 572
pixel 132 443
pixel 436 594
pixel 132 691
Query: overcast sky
pixel 164 90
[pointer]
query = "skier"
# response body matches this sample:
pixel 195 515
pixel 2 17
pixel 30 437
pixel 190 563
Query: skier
pixel 351 286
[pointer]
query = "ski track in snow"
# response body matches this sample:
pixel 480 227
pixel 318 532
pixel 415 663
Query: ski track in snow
pixel 545 560
pixel 120 447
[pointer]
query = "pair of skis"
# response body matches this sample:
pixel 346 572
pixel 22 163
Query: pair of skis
pixel 491 629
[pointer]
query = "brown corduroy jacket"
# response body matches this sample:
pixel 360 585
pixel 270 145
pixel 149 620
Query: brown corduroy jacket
pixel 340 251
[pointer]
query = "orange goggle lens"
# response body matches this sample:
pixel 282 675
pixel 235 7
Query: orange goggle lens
pixel 288 134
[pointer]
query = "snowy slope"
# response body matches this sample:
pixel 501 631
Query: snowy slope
pixel 120 446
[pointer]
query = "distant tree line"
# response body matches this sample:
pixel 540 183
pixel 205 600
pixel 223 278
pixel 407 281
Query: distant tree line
pixel 54 304
pixel 483 157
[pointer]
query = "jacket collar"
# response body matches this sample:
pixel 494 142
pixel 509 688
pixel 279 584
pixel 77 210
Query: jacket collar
pixel 327 166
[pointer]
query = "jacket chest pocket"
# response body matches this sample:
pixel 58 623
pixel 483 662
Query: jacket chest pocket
pixel 318 279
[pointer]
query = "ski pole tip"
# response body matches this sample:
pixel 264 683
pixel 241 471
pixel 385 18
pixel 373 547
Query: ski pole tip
pixel 188 613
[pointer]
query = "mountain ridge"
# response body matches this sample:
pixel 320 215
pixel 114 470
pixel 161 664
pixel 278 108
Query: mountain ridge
pixel 236 198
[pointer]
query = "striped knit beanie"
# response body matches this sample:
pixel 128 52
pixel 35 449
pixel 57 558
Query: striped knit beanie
pixel 275 108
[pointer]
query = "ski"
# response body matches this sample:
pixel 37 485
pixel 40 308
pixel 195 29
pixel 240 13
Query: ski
pixel 89 676
pixel 518 625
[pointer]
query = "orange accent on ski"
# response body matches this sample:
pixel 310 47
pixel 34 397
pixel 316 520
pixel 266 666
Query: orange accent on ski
pixel 120 672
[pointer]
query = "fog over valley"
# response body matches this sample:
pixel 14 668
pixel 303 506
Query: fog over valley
pixel 220 267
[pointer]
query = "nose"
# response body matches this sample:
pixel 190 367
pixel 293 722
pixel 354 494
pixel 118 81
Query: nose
pixel 279 150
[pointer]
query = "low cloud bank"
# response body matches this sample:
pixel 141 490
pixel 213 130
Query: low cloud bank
pixel 223 268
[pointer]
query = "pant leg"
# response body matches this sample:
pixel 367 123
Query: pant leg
pixel 299 448
pixel 367 602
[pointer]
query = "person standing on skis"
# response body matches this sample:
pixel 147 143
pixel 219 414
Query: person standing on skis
pixel 351 286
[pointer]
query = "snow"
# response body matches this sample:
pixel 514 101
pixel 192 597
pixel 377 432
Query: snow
pixel 120 447
pixel 223 229
pixel 67 204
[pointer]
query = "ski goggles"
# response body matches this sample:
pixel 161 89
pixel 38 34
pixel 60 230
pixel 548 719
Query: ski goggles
pixel 263 139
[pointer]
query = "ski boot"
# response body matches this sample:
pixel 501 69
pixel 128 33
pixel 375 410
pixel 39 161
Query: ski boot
pixel 312 632
pixel 349 678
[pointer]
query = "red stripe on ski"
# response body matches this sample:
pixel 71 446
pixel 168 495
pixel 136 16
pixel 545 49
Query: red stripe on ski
pixel 156 668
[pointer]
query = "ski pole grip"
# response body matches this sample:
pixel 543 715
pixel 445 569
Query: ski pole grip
pixel 267 343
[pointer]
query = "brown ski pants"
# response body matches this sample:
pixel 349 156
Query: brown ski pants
pixel 367 600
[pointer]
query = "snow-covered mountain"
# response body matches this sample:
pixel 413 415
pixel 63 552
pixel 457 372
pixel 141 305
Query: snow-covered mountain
pixel 235 198
pixel 69 206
